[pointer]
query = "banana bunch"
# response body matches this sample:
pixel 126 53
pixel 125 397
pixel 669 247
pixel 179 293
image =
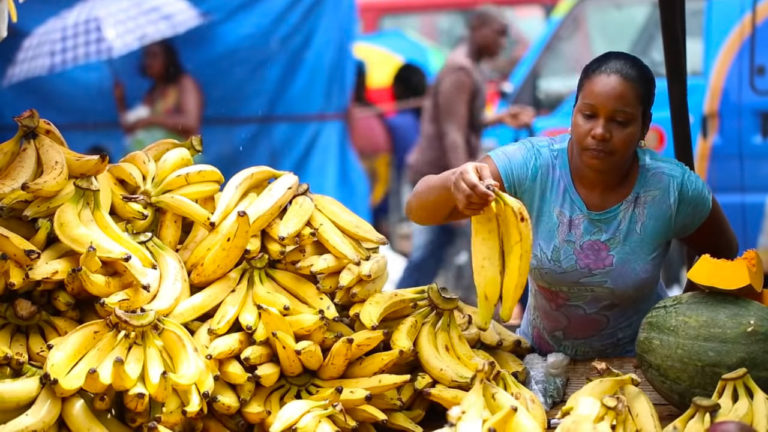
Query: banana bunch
pixel 611 402
pixel 36 166
pixel 736 398
pixel 502 241
pixel 487 406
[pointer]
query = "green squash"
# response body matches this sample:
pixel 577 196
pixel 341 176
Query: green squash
pixel 687 342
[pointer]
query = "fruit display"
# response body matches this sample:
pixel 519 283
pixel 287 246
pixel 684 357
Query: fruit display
pixel 610 402
pixel 713 274
pixel 152 293
pixel 737 398
pixel 686 342
pixel 502 242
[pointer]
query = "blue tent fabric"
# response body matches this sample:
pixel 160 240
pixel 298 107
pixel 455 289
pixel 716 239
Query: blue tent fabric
pixel 277 79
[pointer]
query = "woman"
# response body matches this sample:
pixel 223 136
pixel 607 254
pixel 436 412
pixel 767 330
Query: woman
pixel 604 210
pixel 172 107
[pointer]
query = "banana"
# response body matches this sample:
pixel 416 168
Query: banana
pixel 349 275
pixel 174 283
pixel 267 374
pixel 364 289
pixel 274 248
pixel 373 364
pixel 339 356
pixel 245 391
pixel 373 267
pixel 197 173
pixel 44 227
pixel 54 270
pixel 9 149
pixel 46 128
pixel 155 374
pixel 197 191
pixel 72 347
pixel 42 415
pixel 224 399
pixel 228 345
pixel 84 165
pixel 146 165
pixel 487 264
pixel 233 372
pixel 229 309
pixel 374 384
pixel 445 369
pixel 105 370
pixel 19 392
pixel 127 371
pixel 183 206
pixel 79 417
pixel 472 407
pixel 404 335
pixel 324 264
pixel 239 185
pixel 641 409
pixel 172 160
pixel 253 249
pixel 257 354
pixel 347 221
pixel 249 312
pixel 305 324
pixel 54 175
pixel 446 396
pixel 157 149
pixel 132 211
pixel 46 206
pixel 517 256
pixel 334 239
pixel 254 411
pixel 227 243
pixel 526 398
pixel 129 175
pixel 72 381
pixel 597 389
pixel 17 247
pixel 269 293
pixel 284 346
pixel 290 413
pixel 742 408
pixel 304 290
pixel 193 402
pixel 759 405
pixel 208 297
pixel 458 343
pixel 19 353
pixel 310 354
pixel 295 218
pixel 380 305
pixel 36 345
pixel 180 348
pixel 399 421
pixel 21 169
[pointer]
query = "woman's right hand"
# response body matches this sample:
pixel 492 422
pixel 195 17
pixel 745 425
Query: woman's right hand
pixel 471 187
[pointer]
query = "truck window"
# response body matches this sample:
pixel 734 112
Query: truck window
pixel 596 26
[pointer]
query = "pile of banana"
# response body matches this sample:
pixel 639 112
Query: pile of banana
pixel 737 398
pixel 154 294
pixel 611 402
pixel 502 242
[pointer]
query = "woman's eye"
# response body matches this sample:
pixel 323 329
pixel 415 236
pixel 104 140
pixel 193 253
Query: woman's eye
pixel 587 115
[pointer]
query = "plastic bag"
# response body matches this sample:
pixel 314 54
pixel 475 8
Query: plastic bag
pixel 547 377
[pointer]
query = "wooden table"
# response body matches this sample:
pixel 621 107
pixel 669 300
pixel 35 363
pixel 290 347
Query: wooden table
pixel 578 371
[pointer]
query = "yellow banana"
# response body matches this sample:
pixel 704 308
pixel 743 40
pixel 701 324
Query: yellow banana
pixel 267 374
pixel 310 354
pixel 128 174
pixel 486 264
pixel 84 165
pixel 172 160
pixel 17 247
pixel 373 364
pixel 38 351
pixel 328 283
pixel 69 350
pixel 19 392
pixel 295 218
pixel 207 298
pixel 21 169
pixel 187 361
pixel 46 128
pixel 404 335
pixel 339 356
pixel 9 149
pixel 229 242
pixel 157 149
pixel 233 372
pixel 641 409
pixel 597 389
pixel 72 381
pixel 127 371
pixel 514 208
pixel 290 413
pixel 334 239
pixel 399 421
pixel 304 290
pixel 79 417
pixel 364 289
pixel 132 211
pixel 446 396
pixel 42 415
pixel 459 345
pixel 73 231
pixel 257 354
pixel 183 206
pixel 197 173
pixel 229 309
pixel 197 191
pixel 174 283
pixel 346 220
pixel 46 206
pixel 228 345
pixel 284 345
pixel 54 175
pixel 380 305
pixel 445 369
pixel 155 373
pixel 146 165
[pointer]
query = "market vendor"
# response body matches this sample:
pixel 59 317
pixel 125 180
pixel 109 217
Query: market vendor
pixel 604 210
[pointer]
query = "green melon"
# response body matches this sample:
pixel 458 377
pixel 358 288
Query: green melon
pixel 687 342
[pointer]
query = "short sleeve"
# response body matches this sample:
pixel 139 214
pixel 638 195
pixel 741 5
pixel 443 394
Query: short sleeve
pixel 694 202
pixel 520 164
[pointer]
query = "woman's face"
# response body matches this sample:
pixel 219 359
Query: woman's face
pixel 607 123
pixel 154 62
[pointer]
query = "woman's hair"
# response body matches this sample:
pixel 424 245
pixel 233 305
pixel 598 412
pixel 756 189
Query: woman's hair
pixel 173 68
pixel 628 67
pixel 360 96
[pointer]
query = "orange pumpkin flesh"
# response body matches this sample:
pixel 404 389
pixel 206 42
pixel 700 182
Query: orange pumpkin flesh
pixel 714 274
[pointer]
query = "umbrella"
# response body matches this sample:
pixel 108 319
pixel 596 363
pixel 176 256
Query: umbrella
pixel 385 51
pixel 96 30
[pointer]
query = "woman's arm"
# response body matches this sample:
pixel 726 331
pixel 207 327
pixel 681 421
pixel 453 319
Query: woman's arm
pixel 714 236
pixel 187 121
pixel 454 194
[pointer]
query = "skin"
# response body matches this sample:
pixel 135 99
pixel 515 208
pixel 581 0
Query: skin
pixel 487 38
pixel 187 120
pixel 606 126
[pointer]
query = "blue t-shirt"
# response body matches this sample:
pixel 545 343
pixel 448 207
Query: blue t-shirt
pixel 595 275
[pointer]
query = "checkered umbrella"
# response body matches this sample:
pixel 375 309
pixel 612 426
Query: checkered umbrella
pixel 96 30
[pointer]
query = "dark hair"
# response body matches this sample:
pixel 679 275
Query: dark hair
pixel 360 96
pixel 409 82
pixel 173 68
pixel 628 67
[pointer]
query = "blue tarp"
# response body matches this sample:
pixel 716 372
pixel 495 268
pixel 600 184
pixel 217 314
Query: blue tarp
pixel 277 78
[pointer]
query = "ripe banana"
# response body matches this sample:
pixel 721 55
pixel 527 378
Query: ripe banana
pixel 295 218
pixel 239 185
pixel 487 265
pixel 40 416
pixel 54 175
pixel 517 256
pixel 347 221
pixel 21 169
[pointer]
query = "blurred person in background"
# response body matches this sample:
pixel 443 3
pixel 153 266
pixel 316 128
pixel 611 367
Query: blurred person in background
pixel 370 137
pixel 409 87
pixel 451 125
pixel 171 108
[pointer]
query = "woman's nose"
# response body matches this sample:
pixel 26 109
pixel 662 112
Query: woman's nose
pixel 600 132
